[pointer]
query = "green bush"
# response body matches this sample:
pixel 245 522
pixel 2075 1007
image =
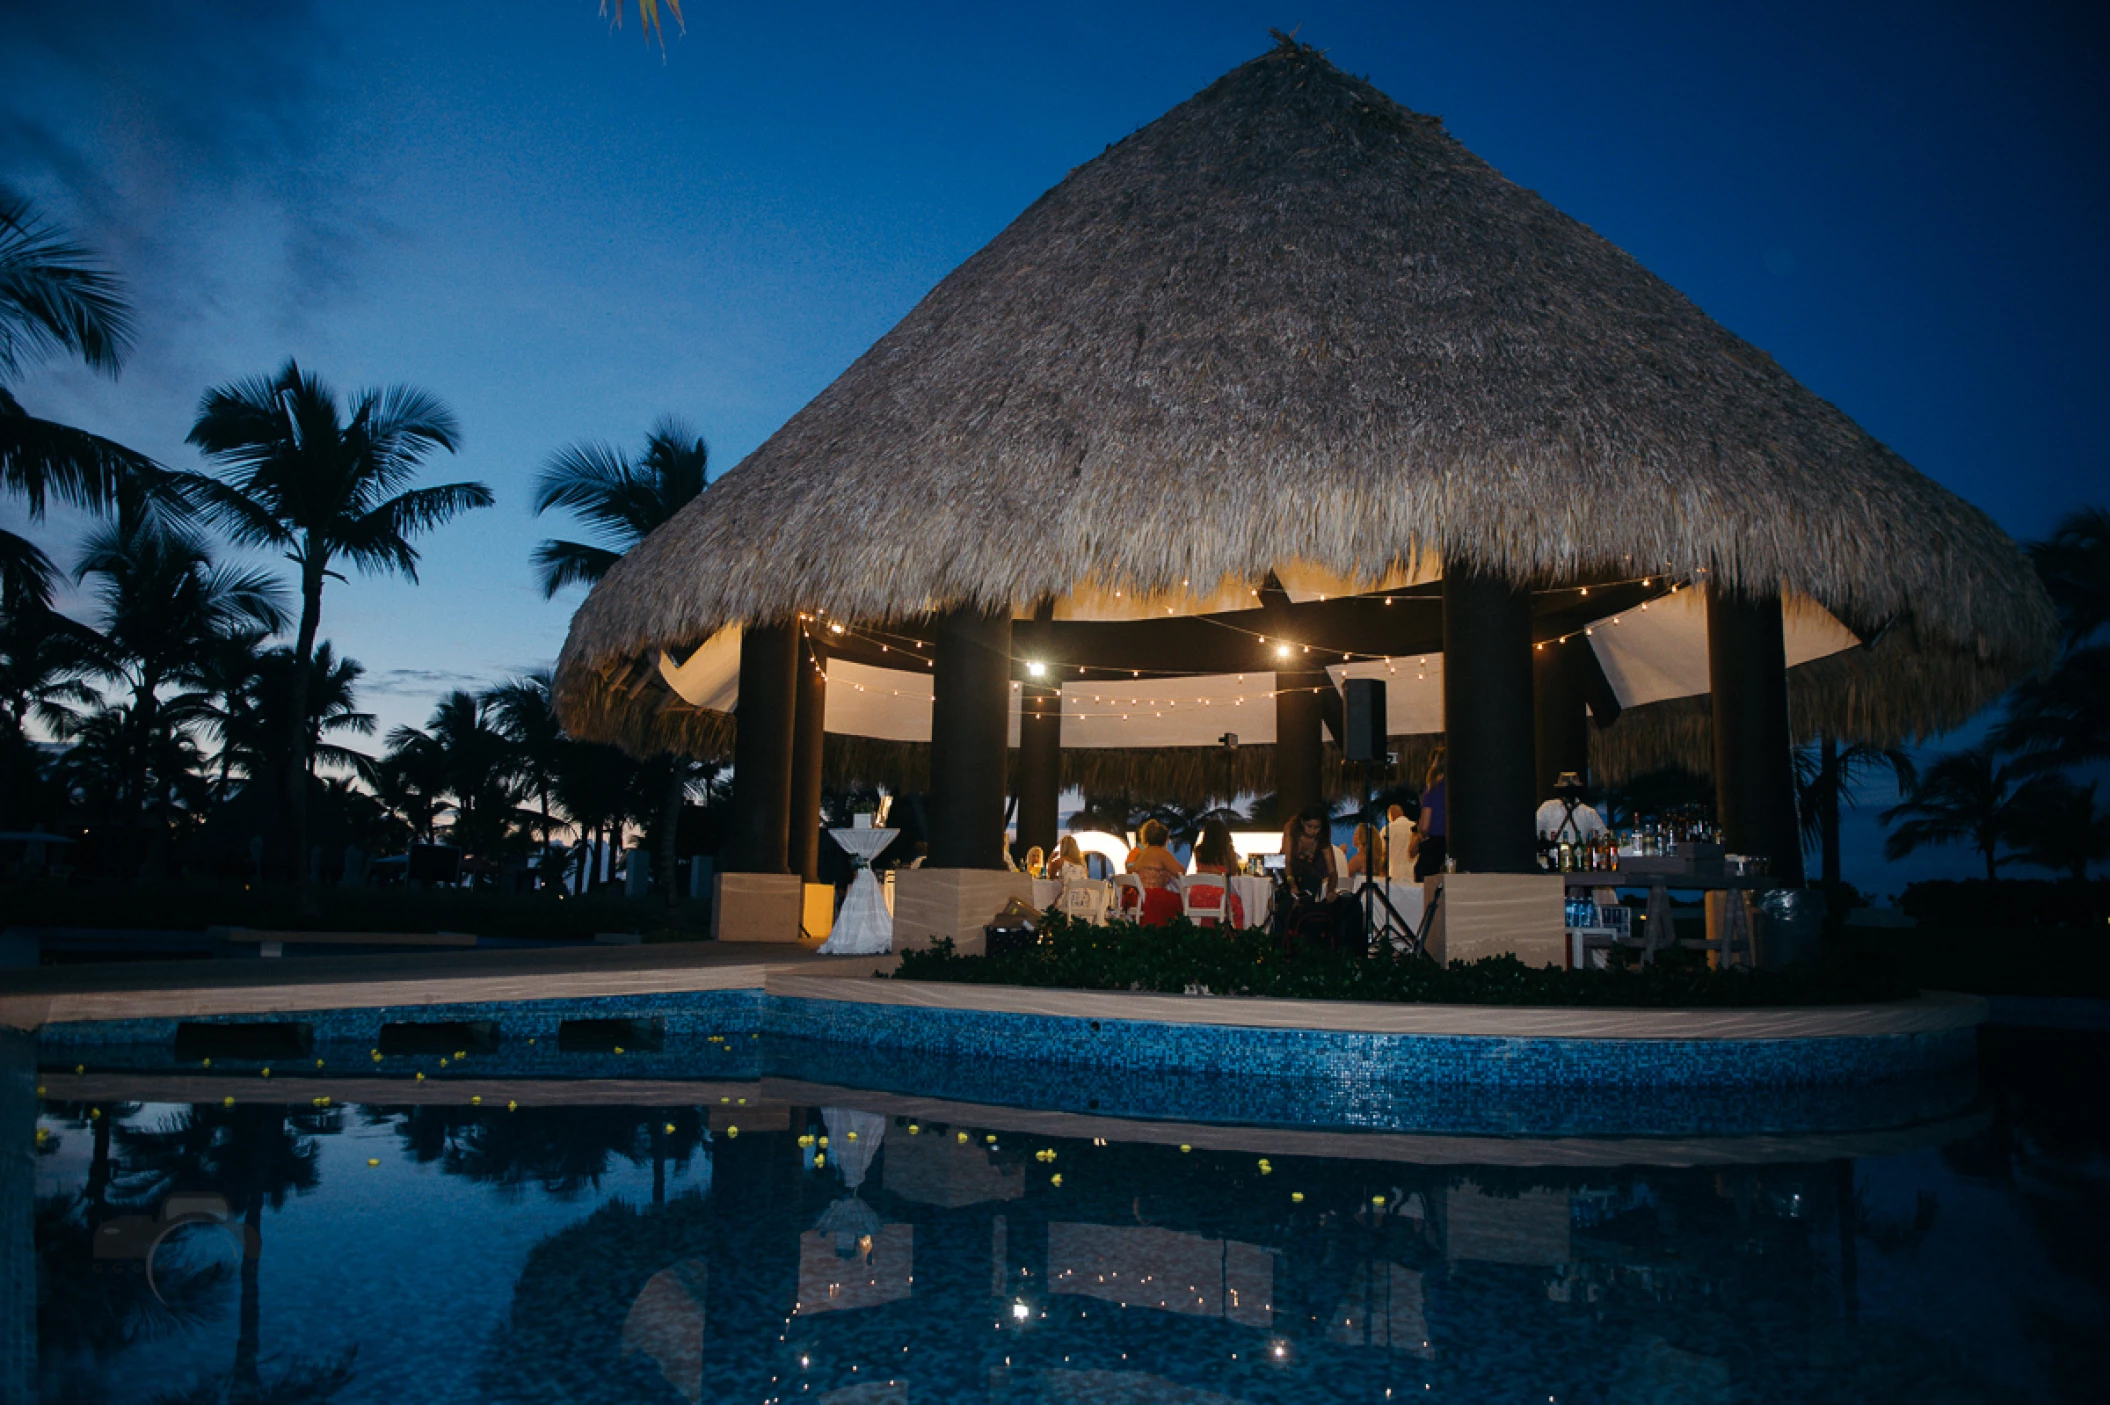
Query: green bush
pixel 1182 958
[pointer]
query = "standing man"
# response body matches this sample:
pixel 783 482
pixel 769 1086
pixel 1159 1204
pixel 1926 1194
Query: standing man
pixel 1399 833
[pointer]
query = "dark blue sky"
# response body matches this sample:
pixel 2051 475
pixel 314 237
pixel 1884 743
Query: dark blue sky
pixel 565 236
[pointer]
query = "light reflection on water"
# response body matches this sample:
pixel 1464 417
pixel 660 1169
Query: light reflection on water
pixel 615 1253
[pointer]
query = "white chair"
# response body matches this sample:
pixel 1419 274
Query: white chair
pixel 1128 896
pixel 1085 900
pixel 1205 897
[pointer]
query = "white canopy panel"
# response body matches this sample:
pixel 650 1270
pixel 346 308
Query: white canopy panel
pixel 1648 654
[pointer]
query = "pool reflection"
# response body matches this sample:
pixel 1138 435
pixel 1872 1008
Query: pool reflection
pixel 774 1251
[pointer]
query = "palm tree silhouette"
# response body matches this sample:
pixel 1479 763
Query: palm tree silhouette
pixel 1825 777
pixel 622 501
pixel 2056 825
pixel 163 610
pixel 2063 718
pixel 521 710
pixel 323 485
pixel 1966 797
pixel 464 749
pixel 54 299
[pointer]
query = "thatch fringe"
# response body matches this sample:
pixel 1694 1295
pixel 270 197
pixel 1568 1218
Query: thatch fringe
pixel 1312 312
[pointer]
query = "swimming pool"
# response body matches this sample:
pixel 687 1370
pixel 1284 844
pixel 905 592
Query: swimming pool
pixel 693 1239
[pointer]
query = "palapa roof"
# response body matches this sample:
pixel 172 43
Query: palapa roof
pixel 1293 324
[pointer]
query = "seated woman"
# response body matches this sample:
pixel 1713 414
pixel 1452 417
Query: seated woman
pixel 1152 862
pixel 1368 855
pixel 1214 853
pixel 1068 863
pixel 1036 862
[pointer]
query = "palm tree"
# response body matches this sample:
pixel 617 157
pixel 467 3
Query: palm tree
pixel 622 502
pixel 54 299
pixel 332 707
pixel 1966 797
pixel 164 608
pixel 2063 718
pixel 411 780
pixel 323 486
pixel 476 761
pixel 1825 778
pixel 523 713
pixel 2057 826
pixel 44 657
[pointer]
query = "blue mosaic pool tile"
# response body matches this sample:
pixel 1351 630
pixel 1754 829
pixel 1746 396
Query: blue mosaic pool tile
pixel 1361 1058
pixel 687 1015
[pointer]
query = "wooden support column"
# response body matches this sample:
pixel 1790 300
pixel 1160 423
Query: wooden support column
pixel 1299 749
pixel 1559 713
pixel 1039 740
pixel 1487 712
pixel 762 735
pixel 809 732
pixel 970 719
pixel 1754 762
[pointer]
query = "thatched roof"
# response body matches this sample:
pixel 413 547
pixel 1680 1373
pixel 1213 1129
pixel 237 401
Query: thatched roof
pixel 1292 321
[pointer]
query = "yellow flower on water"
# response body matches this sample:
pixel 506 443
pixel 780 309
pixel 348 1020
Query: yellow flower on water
pixel 727 1100
pixel 963 1136
pixel 670 1129
pixel 1055 1179
pixel 202 1063
pixel 820 1158
pixel 991 1139
pixel 318 1063
pixel 267 1073
pixel 1185 1147
pixel 40 1090
pixel 373 1160
pixel 421 1078
pixel 531 1039
pixel 377 1056
pixel 619 1048
pixel 460 1054
pixel 1378 1200
pixel 476 1100
pixel 851 1135
pixel 914 1130
pixel 94 1112
pixel 443 1063
pixel 821 1141
pixel 227 1102
pixel 512 1107
pixel 732 1131
pixel 741 1101
pixel 80 1068
pixel 1296 1197
pixel 803 1141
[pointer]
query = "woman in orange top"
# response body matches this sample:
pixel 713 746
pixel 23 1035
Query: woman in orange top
pixel 1152 862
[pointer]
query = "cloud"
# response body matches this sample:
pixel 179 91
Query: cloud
pixel 190 145
pixel 418 682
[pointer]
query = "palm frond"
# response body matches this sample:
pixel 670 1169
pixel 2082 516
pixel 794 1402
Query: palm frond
pixel 42 459
pixel 562 563
pixel 227 507
pixel 54 296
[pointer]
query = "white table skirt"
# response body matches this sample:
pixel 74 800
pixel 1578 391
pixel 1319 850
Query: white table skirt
pixel 864 926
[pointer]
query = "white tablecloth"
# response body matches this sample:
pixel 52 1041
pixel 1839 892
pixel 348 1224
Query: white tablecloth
pixel 1406 899
pixel 1045 892
pixel 1256 894
pixel 864 927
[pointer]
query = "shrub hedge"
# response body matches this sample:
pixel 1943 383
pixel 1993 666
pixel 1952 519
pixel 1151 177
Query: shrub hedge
pixel 1182 958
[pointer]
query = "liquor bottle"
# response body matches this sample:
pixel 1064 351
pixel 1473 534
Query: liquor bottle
pixel 1567 857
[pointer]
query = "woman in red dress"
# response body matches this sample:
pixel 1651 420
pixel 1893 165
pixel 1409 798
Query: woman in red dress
pixel 1214 853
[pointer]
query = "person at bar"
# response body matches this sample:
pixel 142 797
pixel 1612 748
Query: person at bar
pixel 1432 829
pixel 1036 862
pixel 1565 816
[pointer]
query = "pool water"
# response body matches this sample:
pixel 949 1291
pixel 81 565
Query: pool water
pixel 591 1250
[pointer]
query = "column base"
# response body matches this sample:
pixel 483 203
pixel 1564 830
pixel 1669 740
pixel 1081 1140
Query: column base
pixel 757 907
pixel 952 902
pixel 1501 914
